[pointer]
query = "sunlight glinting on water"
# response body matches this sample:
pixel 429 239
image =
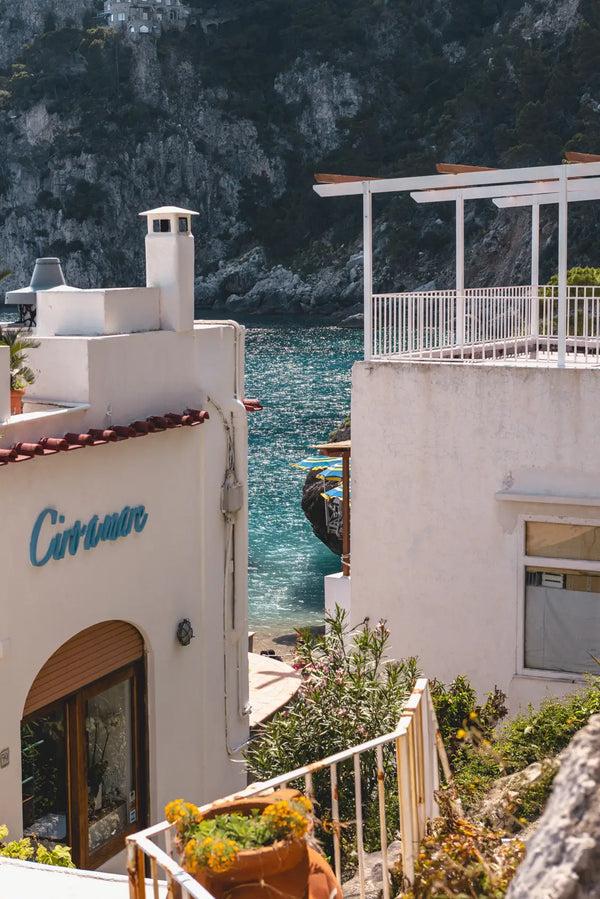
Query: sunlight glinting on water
pixel 301 374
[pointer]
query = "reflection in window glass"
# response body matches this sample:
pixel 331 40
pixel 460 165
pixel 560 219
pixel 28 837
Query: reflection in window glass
pixel 111 793
pixel 44 773
pixel 562 541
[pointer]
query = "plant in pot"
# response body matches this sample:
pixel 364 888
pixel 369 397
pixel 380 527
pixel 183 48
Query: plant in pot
pixel 18 340
pixel 255 845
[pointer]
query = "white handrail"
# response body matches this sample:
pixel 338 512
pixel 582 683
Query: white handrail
pixel 416 739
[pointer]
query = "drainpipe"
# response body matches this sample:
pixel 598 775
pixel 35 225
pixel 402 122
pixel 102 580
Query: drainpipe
pixel 235 637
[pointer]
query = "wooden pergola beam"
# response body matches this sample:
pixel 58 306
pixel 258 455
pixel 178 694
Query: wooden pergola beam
pixel 581 157
pixel 340 179
pixel 452 168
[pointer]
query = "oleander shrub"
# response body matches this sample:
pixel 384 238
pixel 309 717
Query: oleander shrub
pixel 349 694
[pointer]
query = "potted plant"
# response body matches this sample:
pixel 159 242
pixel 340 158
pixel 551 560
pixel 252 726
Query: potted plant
pixel 257 846
pixel 18 340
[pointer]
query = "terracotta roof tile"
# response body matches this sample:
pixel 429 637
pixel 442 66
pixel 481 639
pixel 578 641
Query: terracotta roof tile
pixel 49 446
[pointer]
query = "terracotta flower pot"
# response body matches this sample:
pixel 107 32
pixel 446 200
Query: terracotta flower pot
pixel 288 868
pixel 16 401
pixel 266 873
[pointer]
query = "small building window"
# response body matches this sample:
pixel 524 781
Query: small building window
pixel 562 601
pixel 121 16
pixel 161 225
pixel 183 223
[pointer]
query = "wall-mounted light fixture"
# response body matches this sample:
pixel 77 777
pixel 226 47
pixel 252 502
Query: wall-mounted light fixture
pixel 184 632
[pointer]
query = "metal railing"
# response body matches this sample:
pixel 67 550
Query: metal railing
pixel 481 324
pixel 414 750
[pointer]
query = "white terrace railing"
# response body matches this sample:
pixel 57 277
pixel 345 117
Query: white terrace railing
pixel 481 324
pixel 413 750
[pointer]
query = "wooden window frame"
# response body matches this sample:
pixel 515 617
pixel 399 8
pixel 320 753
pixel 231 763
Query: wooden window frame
pixel 76 754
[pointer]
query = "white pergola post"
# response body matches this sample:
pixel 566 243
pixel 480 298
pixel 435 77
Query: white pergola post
pixel 460 268
pixel 563 206
pixel 535 267
pixel 368 267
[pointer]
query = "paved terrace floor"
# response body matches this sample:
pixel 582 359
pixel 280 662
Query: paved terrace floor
pixel 272 684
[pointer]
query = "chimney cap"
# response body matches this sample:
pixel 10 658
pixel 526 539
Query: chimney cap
pixel 168 210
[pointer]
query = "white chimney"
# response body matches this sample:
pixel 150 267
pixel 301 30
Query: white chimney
pixel 170 265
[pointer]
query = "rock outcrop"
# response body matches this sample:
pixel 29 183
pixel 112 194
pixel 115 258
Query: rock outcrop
pixel 563 855
pixel 233 115
pixel 313 504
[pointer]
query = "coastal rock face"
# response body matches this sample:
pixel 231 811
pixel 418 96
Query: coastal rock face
pixel 233 115
pixel 563 856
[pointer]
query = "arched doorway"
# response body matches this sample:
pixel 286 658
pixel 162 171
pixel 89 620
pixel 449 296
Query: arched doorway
pixel 83 744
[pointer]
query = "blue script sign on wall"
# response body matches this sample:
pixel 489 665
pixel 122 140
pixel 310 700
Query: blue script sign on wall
pixel 89 535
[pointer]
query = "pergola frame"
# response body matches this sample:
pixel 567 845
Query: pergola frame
pixel 531 186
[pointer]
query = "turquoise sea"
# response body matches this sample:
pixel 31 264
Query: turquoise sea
pixel 300 371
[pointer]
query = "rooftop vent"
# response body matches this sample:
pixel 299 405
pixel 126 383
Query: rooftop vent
pixel 46 275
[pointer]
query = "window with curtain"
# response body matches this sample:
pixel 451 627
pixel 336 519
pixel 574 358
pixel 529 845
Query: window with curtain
pixel 562 599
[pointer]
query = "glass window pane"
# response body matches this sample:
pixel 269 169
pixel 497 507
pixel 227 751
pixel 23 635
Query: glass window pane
pixel 44 774
pixel 562 620
pixel 562 541
pixel 111 786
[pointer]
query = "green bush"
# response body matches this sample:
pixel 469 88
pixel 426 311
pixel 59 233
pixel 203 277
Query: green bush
pixel 537 735
pixel 349 694
pixel 479 751
pixel 29 850
pixel 587 276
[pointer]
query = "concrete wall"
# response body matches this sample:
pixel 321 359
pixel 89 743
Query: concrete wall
pixel 435 551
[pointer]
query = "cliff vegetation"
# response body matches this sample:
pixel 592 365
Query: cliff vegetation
pixel 232 117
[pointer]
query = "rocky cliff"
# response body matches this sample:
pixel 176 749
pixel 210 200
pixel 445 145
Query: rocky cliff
pixel 232 116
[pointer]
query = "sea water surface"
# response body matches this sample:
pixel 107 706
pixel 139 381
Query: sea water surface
pixel 300 371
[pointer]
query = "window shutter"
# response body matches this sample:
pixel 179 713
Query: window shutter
pixel 91 654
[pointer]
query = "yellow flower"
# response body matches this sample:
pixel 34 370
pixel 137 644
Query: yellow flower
pixel 460 733
pixel 473 716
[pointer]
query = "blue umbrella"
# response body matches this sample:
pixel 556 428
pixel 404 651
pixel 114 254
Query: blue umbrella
pixel 314 463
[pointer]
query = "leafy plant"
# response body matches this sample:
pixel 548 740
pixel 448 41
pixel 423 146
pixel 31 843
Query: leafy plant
pixel 18 340
pixel 460 859
pixel 29 850
pixel 586 276
pixel 216 842
pixel 350 693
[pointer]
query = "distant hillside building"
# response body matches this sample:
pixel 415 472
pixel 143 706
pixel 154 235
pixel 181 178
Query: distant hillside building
pixel 146 16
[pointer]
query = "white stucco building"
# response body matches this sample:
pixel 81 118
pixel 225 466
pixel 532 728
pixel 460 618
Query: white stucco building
pixel 123 496
pixel 476 489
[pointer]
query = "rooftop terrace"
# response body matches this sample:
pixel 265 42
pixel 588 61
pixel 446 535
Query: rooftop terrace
pixel 525 325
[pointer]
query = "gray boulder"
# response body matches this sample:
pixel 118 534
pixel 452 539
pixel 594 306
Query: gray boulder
pixel 563 856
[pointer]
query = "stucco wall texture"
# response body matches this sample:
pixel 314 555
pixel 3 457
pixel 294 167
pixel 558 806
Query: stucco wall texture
pixel 436 547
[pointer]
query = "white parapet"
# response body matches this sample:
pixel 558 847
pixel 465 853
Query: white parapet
pixel 92 313
pixel 338 593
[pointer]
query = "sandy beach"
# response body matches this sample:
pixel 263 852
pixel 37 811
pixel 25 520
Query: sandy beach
pixel 282 643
